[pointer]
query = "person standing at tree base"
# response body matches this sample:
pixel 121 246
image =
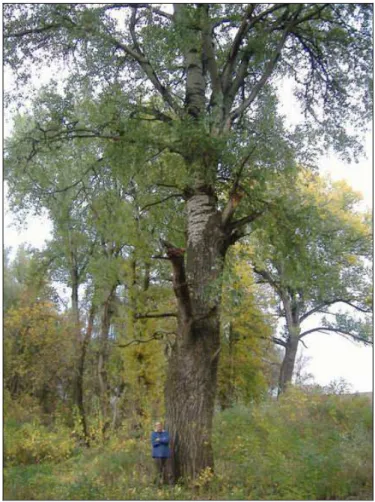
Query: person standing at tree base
pixel 160 452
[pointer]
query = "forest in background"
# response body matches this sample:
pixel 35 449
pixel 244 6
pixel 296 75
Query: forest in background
pixel 199 246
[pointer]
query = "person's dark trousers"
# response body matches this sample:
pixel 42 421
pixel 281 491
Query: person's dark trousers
pixel 161 474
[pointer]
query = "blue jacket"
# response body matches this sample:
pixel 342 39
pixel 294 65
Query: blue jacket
pixel 160 444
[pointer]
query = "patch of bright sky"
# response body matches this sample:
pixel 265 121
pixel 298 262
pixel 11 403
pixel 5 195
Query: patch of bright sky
pixel 331 356
pixel 359 175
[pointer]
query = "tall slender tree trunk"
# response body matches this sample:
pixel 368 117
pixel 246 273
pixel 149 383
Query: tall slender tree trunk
pixel 81 349
pixel 287 366
pixel 192 375
pixel 74 276
pixel 227 395
pixel 231 388
pixel 103 361
pixel 292 311
pixel 81 369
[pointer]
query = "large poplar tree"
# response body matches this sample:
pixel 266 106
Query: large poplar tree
pixel 206 74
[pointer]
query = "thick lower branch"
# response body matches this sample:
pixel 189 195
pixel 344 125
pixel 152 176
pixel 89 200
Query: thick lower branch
pixel 278 341
pixel 180 286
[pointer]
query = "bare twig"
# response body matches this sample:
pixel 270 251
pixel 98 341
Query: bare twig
pixel 173 195
pixel 156 316
pixel 156 336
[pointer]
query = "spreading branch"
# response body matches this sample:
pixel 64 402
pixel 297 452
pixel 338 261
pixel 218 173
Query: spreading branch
pixel 233 53
pixel 339 331
pixel 267 277
pixel 151 74
pixel 33 31
pixel 235 195
pixel 247 24
pixel 268 69
pixel 171 196
pixel 231 86
pixel 319 307
pixel 278 341
pixel 245 220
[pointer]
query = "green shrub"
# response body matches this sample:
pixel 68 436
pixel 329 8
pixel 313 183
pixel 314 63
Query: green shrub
pixel 33 443
pixel 305 446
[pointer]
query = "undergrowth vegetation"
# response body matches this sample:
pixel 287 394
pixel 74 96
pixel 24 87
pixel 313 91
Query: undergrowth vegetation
pixel 306 446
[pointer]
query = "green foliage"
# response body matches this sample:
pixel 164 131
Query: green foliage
pixel 38 349
pixel 303 447
pixel 246 347
pixel 11 287
pixel 313 247
pixel 34 443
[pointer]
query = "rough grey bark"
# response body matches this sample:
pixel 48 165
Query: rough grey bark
pixel 192 375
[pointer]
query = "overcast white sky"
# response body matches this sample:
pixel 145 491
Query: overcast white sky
pixel 331 356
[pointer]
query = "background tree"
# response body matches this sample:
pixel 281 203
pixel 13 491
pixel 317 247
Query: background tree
pixel 98 246
pixel 314 250
pixel 210 82
pixel 38 339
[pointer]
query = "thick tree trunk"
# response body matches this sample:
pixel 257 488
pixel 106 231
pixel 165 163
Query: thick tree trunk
pixel 190 397
pixel 192 375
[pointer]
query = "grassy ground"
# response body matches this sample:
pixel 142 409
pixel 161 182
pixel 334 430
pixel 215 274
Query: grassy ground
pixel 300 448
